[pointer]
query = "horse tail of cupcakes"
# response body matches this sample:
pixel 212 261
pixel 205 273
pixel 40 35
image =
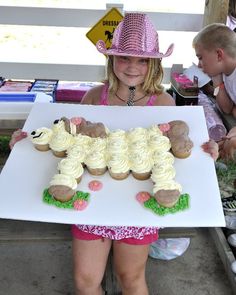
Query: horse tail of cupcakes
pixel 62 187
pixel 178 134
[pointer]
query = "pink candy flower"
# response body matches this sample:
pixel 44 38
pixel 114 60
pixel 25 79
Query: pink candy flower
pixel 142 197
pixel 164 127
pixel 76 120
pixel 80 204
pixel 95 185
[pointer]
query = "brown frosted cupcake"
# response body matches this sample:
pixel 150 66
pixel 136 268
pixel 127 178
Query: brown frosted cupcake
pixel 62 187
pixel 167 192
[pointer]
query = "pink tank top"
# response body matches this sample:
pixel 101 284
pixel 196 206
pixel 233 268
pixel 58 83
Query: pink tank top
pixel 119 232
pixel 104 97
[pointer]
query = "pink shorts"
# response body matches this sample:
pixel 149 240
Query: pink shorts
pixel 81 235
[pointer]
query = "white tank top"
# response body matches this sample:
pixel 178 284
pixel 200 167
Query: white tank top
pixel 230 85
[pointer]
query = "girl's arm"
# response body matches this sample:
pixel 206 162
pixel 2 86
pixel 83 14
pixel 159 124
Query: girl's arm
pixel 164 99
pixel 92 96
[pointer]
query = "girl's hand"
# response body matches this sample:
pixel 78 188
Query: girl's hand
pixel 228 148
pixel 211 147
pixel 16 136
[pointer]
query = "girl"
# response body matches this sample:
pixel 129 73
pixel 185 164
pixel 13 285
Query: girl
pixel 134 74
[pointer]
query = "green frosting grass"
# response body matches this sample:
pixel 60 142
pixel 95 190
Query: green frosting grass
pixel 182 204
pixel 47 198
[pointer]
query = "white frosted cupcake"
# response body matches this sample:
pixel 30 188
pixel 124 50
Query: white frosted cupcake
pixel 153 131
pixel 141 165
pixel 119 133
pixel 71 167
pixel 119 166
pixel 163 158
pixel 40 138
pixel 96 162
pixel 117 143
pixel 137 134
pixel 75 152
pixel 159 143
pixel 162 173
pixel 98 144
pixel 60 142
pixel 83 141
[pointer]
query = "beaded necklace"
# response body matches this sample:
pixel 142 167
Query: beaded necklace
pixel 130 101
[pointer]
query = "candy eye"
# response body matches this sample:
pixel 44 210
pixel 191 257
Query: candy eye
pixel 56 122
pixel 33 133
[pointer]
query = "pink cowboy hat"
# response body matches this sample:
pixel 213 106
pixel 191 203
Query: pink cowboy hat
pixel 134 36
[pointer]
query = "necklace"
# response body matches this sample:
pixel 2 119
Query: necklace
pixel 130 102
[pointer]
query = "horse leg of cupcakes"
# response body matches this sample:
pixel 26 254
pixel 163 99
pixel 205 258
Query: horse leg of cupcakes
pixel 177 128
pixel 62 187
pixel 181 144
pixel 167 192
pixel 167 198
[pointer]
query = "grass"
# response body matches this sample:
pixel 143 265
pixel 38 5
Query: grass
pixel 4 145
pixel 226 179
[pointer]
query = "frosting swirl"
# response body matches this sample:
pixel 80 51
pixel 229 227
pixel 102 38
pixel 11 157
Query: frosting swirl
pixel 71 167
pixel 140 163
pixel 96 160
pixel 61 141
pixel 63 179
pixel 76 152
pixel 118 163
pixel 159 143
pixel 163 158
pixel 162 173
pixel 167 185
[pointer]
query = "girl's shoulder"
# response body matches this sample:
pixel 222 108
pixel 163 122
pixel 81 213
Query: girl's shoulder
pixel 164 99
pixel 93 95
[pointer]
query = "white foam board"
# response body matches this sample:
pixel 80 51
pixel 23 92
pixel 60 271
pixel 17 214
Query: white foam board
pixel 27 172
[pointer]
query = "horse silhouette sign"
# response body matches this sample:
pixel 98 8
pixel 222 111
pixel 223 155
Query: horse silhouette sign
pixel 105 27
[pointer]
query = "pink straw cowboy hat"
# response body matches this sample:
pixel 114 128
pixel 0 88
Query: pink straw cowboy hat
pixel 134 36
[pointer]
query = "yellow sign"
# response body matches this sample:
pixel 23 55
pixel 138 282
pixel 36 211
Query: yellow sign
pixel 105 27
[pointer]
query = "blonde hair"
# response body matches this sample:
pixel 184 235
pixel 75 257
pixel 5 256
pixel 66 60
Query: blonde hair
pixel 152 82
pixel 215 36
